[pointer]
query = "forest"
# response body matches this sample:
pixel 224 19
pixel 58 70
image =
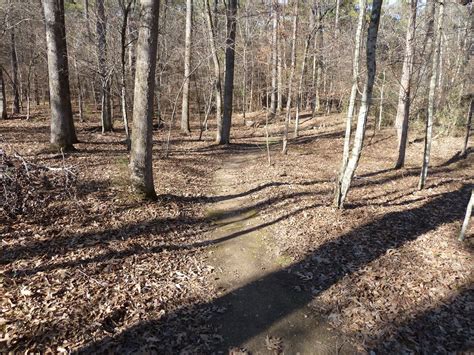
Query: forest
pixel 236 177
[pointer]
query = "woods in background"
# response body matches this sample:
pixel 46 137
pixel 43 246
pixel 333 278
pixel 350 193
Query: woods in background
pixel 270 55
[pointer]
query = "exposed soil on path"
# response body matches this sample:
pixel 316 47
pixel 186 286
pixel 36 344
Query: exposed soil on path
pixel 259 299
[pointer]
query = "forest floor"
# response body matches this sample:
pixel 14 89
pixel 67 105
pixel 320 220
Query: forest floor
pixel 236 252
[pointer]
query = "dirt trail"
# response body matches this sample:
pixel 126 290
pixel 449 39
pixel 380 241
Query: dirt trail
pixel 257 294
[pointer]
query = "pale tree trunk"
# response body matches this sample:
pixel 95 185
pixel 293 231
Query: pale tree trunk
pixel 15 83
pixel 336 21
pixel 106 116
pixel 3 98
pixel 467 217
pixel 280 78
pixel 123 70
pixel 355 79
pixel 187 69
pixel 217 69
pixel 274 92
pixel 291 79
pixel 404 100
pixel 63 133
pixel 432 97
pixel 231 14
pixel 141 156
pixel 80 98
pixel 468 128
pixel 345 178
pixel 379 124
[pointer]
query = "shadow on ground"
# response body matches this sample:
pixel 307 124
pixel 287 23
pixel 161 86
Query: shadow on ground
pixel 347 254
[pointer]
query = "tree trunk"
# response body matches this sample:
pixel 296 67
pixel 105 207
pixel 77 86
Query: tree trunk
pixel 431 98
pixel 345 178
pixel 379 124
pixel 231 15
pixel 404 100
pixel 141 167
pixel 106 116
pixel 15 83
pixel 80 98
pixel 37 95
pixel 291 79
pixel 123 70
pixel 3 98
pixel 467 217
pixel 299 94
pixel 187 69
pixel 280 78
pixel 274 92
pixel 63 133
pixel 468 127
pixel 217 69
pixel 355 79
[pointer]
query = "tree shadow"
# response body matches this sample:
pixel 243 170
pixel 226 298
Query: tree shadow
pixel 446 328
pixel 65 242
pixel 333 260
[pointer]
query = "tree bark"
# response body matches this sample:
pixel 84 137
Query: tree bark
pixel 404 100
pixel 141 168
pixel 231 15
pixel 467 217
pixel 3 98
pixel 468 127
pixel 345 178
pixel 355 79
pixel 379 124
pixel 15 83
pixel 187 69
pixel 299 95
pixel 291 79
pixel 123 69
pixel 274 92
pixel 106 116
pixel 431 98
pixel 63 133
pixel 217 69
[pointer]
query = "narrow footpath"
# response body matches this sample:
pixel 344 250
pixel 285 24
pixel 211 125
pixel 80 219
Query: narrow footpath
pixel 261 310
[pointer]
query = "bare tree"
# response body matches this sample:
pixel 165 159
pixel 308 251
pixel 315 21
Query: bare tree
pixel 15 81
pixel 467 217
pixel 404 100
pixel 63 134
pixel 345 178
pixel 141 156
pixel 106 115
pixel 187 68
pixel 3 98
pixel 231 14
pixel 126 7
pixel 292 76
pixel 274 92
pixel 431 97
pixel 217 68
pixel 355 81
pixel 468 127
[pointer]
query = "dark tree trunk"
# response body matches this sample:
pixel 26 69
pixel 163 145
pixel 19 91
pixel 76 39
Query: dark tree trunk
pixel 63 133
pixel 141 168
pixel 231 14
pixel 15 83
pixel 3 98
pixel 106 116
